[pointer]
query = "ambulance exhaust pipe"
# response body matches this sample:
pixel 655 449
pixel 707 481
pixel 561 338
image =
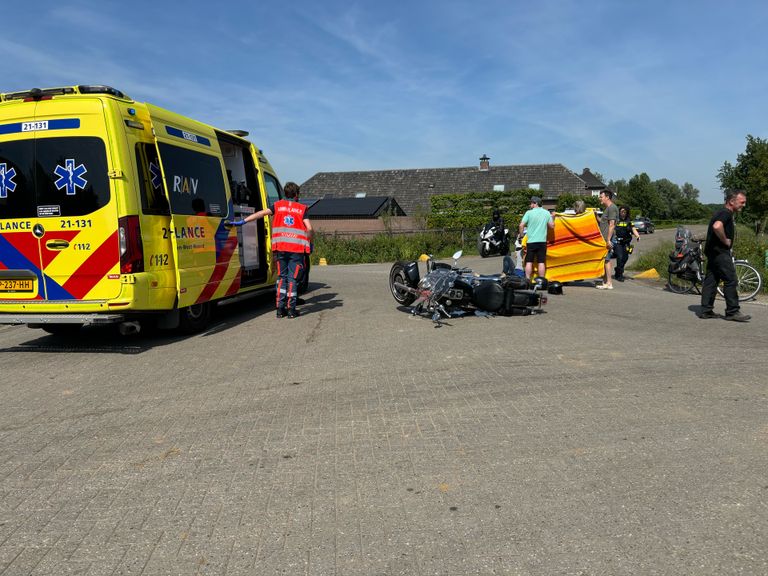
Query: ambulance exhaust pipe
pixel 129 328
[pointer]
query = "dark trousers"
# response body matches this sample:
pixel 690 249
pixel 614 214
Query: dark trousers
pixel 720 268
pixel 620 251
pixel 290 267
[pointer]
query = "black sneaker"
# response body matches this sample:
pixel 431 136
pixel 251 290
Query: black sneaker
pixel 293 313
pixel 280 313
pixel 738 317
pixel 707 314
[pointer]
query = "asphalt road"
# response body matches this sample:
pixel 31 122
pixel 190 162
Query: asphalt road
pixel 614 434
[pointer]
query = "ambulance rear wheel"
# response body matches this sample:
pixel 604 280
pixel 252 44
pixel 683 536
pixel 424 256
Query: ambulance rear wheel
pixel 61 329
pixel 195 318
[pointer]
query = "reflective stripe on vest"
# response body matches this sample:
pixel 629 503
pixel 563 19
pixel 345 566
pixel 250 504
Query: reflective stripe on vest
pixel 622 229
pixel 288 231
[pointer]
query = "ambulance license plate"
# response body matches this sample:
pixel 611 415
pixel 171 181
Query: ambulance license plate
pixel 17 285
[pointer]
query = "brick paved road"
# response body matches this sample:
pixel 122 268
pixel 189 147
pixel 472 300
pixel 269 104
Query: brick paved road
pixel 615 434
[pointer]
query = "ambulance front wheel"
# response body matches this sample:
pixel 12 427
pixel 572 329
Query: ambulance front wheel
pixel 194 318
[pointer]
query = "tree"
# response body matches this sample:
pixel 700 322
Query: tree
pixel 689 191
pixel 670 195
pixel 644 196
pixel 619 188
pixel 750 173
pixel 691 209
pixel 566 201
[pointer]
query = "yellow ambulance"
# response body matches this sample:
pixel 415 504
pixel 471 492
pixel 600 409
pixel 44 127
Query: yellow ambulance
pixel 115 211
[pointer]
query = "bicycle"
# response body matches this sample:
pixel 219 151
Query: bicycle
pixel 686 273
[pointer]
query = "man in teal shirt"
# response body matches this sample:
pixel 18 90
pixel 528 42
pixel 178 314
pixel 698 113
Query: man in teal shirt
pixel 538 220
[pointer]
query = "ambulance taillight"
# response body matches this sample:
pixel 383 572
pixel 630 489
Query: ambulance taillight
pixel 131 249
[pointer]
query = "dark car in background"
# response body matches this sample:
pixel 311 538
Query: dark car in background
pixel 643 225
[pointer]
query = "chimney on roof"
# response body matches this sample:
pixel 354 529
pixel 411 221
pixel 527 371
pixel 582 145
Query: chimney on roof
pixel 485 163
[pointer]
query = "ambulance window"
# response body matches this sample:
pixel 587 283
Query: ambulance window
pixel 71 174
pixel 195 181
pixel 274 191
pixel 17 193
pixel 153 200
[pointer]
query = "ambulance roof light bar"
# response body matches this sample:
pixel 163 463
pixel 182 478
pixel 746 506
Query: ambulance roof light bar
pixel 101 89
pixel 36 94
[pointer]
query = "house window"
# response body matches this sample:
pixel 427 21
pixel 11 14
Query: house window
pixel 534 186
pixel 498 187
pixel 359 194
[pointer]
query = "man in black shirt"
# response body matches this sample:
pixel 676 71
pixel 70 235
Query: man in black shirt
pixel 720 236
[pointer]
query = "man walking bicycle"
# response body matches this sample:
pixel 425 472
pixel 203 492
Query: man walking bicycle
pixel 718 249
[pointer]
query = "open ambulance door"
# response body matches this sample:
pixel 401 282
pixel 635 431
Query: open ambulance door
pixel 193 178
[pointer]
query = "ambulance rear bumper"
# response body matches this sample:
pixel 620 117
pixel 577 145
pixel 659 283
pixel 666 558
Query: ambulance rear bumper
pixel 40 320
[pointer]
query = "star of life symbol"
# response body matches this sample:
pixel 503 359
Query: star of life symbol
pixel 289 220
pixel 154 172
pixel 70 177
pixel 6 180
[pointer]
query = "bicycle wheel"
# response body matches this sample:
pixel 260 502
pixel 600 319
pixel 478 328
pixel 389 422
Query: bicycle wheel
pixel 679 285
pixel 750 281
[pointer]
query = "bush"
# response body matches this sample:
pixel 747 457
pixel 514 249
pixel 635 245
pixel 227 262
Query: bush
pixel 388 247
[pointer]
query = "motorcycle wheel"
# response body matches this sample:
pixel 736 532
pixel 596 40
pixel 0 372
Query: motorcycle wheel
pixel 397 274
pixel 484 252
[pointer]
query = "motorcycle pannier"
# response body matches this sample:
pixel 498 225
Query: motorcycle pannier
pixel 488 296
pixel 518 302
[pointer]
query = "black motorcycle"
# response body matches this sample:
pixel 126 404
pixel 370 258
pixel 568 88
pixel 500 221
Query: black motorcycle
pixel 448 291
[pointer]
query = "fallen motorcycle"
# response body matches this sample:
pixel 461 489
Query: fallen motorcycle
pixel 448 290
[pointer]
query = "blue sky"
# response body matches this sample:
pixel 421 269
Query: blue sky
pixel 669 88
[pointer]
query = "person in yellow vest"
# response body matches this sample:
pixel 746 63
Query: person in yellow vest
pixel 291 238
pixel 624 232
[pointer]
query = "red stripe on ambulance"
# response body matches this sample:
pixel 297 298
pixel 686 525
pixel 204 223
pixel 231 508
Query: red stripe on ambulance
pixel 93 270
pixel 235 284
pixel 221 267
pixel 47 255
pixel 26 244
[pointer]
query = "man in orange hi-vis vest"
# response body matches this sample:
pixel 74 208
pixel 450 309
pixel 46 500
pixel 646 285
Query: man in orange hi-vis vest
pixel 291 237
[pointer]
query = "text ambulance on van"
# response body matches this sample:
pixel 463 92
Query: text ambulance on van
pixel 113 211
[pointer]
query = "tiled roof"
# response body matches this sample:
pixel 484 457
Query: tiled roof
pixel 590 180
pixel 412 188
pixel 368 207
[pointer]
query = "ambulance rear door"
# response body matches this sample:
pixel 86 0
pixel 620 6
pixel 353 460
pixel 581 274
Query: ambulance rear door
pixel 58 216
pixel 194 182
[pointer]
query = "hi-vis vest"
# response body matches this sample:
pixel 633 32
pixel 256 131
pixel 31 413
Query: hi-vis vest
pixel 624 230
pixel 288 231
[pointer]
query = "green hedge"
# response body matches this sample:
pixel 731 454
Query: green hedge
pixel 389 247
pixel 470 211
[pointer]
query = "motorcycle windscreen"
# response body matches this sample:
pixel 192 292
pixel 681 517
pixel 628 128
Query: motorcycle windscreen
pixel 576 249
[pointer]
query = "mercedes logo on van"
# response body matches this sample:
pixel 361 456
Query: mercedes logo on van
pixel 38 230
